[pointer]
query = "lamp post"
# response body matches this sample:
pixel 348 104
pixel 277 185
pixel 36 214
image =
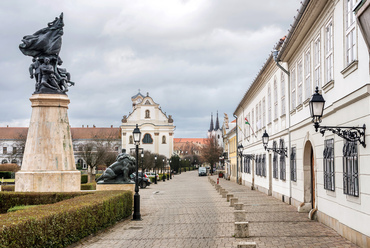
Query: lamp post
pixel 180 164
pixel 170 169
pixel 168 174
pixel 280 150
pixel 352 134
pixel 163 174
pixel 155 169
pixel 137 135
pixel 142 164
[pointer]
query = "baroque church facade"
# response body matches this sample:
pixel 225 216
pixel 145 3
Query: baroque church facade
pixel 156 127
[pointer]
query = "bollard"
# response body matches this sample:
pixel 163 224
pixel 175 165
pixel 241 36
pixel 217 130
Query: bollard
pixel 233 201
pixel 229 196
pixel 247 245
pixel 224 193
pixel 241 230
pixel 238 206
pixel 240 215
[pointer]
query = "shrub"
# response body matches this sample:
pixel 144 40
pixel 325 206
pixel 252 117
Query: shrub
pixel 5 174
pixel 88 186
pixel 65 222
pixel 84 178
pixel 7 187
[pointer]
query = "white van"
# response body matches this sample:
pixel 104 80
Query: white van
pixel 202 171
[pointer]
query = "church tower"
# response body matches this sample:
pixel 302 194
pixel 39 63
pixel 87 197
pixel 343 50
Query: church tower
pixel 216 131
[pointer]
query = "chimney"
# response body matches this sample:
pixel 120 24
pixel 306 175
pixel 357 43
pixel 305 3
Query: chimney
pixel 87 126
pixel 111 126
pixel 93 126
pixel 82 125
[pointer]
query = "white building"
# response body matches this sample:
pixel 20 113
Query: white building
pixel 156 127
pixel 321 174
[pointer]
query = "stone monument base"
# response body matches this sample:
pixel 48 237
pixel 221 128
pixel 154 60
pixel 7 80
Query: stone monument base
pixel 48 181
pixel 127 186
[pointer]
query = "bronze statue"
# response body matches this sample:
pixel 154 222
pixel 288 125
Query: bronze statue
pixel 119 171
pixel 44 46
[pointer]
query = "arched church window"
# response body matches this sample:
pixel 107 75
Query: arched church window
pixel 163 139
pixel 4 161
pixel 147 139
pixel 131 140
pixel 147 113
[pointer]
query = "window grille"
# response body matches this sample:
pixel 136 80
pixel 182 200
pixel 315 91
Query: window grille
pixel 247 165
pixel 329 182
pixel 147 139
pixel 350 169
pixel 293 165
pixel 263 162
pixel 275 172
pixel 282 162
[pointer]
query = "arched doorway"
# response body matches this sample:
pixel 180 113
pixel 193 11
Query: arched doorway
pixel 309 175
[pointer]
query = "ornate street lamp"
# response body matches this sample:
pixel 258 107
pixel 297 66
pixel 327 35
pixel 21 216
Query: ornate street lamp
pixel 163 174
pixel 170 169
pixel 278 150
pixel 155 169
pixel 137 135
pixel 180 164
pixel 352 134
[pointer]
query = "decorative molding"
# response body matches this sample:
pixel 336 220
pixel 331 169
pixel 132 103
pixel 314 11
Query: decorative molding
pixel 306 102
pixel 156 134
pixel 300 107
pixel 350 68
pixel 124 134
pixel 328 86
pixel 171 134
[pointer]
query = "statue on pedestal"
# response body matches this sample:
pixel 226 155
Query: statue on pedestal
pixel 119 171
pixel 44 46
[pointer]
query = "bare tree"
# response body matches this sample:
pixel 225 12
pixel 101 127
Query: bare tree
pixel 211 152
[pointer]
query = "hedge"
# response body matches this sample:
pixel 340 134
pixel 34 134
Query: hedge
pixel 11 199
pixel 84 178
pixel 88 186
pixel 5 174
pixel 7 187
pixel 65 222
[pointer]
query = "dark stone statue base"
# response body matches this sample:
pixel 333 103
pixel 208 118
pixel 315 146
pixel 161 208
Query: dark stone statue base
pixel 117 180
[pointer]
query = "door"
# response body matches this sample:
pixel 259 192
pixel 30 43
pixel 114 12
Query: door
pixel 313 184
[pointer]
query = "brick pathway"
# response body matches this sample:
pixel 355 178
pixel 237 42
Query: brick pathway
pixel 187 211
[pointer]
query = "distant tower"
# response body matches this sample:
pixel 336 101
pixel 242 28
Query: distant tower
pixel 216 131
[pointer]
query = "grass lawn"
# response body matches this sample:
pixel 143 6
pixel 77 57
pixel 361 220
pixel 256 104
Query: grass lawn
pixel 7 180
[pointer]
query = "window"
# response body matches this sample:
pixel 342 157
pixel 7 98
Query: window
pixel 4 161
pixel 282 162
pixel 329 182
pixel 275 99
pixel 269 104
pixel 307 72
pixel 147 139
pixel 257 162
pixel 252 118
pixel 329 51
pixel 5 150
pixel 260 116
pixel 317 62
pixel 350 32
pixel 257 120
pixel 247 164
pixel 147 113
pixel 163 139
pixel 14 150
pixel 116 148
pixel 293 165
pixel 275 172
pixel 282 93
pixel 292 87
pixel 131 140
pixel 248 132
pixel 300 79
pixel 350 169
pixel 263 112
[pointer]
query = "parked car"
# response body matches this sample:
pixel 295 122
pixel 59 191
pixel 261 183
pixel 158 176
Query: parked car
pixel 202 171
pixel 151 174
pixel 143 179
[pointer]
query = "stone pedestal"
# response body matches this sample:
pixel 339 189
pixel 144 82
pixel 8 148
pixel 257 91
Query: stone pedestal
pixel 128 186
pixel 48 160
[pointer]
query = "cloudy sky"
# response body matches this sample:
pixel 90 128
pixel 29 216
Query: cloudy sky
pixel 194 57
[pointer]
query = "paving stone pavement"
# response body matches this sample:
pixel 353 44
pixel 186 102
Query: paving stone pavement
pixel 187 211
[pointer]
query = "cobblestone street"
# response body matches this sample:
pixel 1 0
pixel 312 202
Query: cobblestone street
pixel 187 211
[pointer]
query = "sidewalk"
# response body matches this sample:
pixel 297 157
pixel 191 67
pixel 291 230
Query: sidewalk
pixel 187 211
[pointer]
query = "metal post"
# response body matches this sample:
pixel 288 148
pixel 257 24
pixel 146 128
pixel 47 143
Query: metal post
pixel 137 215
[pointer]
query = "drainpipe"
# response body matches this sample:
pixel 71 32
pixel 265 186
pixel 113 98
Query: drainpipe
pixel 236 144
pixel 275 55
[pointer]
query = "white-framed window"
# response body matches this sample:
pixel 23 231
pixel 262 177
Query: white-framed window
pixel 350 32
pixel 252 123
pixel 257 120
pixel 263 112
pixel 292 88
pixel 300 81
pixel 317 61
pixel 329 51
pixel 260 114
pixel 248 132
pixel 275 98
pixel 282 83
pixel 307 72
pixel 269 103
